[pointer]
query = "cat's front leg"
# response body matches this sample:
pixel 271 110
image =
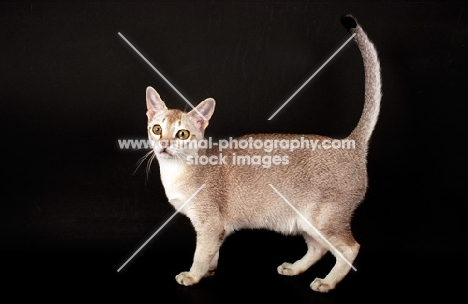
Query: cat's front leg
pixel 213 265
pixel 209 241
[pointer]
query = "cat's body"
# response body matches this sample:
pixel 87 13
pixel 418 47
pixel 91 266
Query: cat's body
pixel 324 185
pixel 244 195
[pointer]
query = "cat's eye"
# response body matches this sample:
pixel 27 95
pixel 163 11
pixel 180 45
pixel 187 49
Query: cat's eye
pixel 183 134
pixel 157 129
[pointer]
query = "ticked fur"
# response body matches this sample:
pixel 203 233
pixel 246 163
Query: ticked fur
pixel 324 185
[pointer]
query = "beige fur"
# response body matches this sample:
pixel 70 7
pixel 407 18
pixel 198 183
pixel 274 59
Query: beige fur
pixel 325 186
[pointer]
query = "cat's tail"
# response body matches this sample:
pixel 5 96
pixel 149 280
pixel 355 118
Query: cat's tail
pixel 373 94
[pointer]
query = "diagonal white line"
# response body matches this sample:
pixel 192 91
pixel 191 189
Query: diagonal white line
pixel 161 75
pixel 162 226
pixel 310 78
pixel 315 229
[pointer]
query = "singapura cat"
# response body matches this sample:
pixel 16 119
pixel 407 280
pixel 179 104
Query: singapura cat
pixel 324 185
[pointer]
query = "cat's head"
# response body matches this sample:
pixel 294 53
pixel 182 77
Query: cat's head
pixel 172 131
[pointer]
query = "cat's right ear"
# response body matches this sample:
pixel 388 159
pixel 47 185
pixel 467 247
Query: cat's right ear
pixel 154 103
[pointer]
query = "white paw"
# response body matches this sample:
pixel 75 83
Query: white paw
pixel 321 285
pixel 186 279
pixel 288 269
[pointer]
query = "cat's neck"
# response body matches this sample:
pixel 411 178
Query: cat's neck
pixel 178 177
pixel 171 169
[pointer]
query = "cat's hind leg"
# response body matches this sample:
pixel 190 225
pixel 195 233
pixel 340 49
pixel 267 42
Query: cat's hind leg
pixel 315 252
pixel 349 248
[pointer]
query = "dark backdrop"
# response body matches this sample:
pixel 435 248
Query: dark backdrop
pixel 70 87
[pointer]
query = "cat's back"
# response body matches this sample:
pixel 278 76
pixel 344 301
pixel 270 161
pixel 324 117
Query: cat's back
pixel 312 159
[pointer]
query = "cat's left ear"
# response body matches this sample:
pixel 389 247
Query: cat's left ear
pixel 202 113
pixel 154 103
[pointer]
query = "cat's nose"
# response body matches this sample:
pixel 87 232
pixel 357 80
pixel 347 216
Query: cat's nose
pixel 164 143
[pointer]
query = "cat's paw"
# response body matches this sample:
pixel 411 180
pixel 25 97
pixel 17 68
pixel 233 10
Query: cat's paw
pixel 186 279
pixel 288 269
pixel 321 285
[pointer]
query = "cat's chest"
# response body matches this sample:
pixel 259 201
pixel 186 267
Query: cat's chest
pixel 173 175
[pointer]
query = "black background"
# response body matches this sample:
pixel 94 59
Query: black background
pixel 70 87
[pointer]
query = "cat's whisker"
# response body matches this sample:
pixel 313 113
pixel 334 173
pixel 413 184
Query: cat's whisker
pixel 141 160
pixel 181 155
pixel 148 166
pixel 144 157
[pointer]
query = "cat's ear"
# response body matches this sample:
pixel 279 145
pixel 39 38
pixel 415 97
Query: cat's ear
pixel 201 114
pixel 154 103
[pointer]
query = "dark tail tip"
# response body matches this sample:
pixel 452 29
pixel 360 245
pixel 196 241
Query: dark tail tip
pixel 349 22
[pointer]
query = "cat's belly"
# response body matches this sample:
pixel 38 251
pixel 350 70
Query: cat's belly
pixel 291 226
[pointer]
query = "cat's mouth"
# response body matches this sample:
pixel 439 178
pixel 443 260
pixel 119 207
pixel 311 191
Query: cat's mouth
pixel 164 153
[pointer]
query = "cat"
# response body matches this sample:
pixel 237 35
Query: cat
pixel 325 186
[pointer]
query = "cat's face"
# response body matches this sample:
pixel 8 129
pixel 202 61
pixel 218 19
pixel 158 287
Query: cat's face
pixel 174 133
